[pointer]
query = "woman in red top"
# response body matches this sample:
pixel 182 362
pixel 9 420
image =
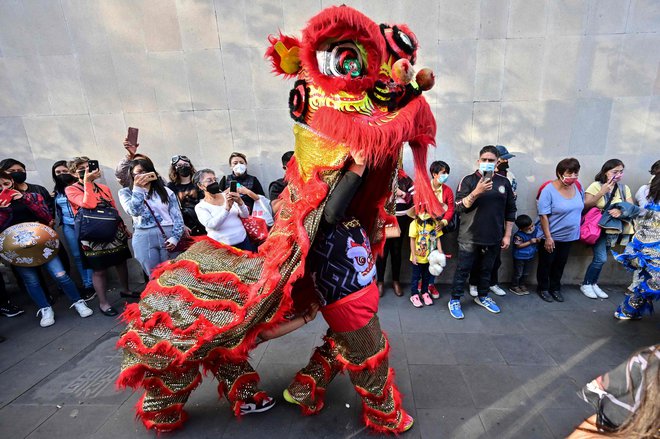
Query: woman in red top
pixel 439 175
pixel 98 256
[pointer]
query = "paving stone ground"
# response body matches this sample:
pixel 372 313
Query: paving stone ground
pixel 512 375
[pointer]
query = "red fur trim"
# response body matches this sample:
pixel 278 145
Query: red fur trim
pixel 317 392
pixel 379 398
pixel 275 58
pixel 338 24
pixel 157 383
pixel 386 418
pixel 147 418
pixel 131 377
pixel 369 364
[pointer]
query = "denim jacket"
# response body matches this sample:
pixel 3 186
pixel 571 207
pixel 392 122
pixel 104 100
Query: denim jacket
pixel 615 225
pixel 133 202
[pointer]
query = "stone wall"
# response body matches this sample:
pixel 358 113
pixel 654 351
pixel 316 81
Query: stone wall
pixel 547 78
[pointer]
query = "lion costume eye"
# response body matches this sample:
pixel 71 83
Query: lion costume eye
pixel 341 59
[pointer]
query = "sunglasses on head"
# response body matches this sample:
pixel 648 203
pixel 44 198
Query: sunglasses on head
pixel 176 158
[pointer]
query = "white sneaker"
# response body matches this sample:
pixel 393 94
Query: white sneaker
pixel 600 293
pixel 497 290
pixel 47 316
pixel 588 290
pixel 473 291
pixel 82 308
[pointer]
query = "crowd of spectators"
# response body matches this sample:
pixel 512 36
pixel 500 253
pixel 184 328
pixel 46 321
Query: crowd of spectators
pixel 480 214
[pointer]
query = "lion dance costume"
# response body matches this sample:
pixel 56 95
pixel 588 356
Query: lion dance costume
pixel 355 92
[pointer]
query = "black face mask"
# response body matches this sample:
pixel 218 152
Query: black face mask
pixel 81 174
pixel 65 179
pixel 184 171
pixel 503 166
pixel 213 188
pixel 18 176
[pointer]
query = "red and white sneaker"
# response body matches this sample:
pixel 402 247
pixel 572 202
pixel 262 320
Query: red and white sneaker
pixel 252 406
pixel 434 292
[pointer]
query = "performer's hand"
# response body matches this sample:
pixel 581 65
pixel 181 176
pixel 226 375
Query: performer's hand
pixel 310 314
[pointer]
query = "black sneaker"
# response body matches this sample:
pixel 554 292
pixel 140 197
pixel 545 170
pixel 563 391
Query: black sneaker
pixel 257 407
pixel 10 310
pixel 88 294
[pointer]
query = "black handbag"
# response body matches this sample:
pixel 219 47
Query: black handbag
pixel 453 224
pixel 99 224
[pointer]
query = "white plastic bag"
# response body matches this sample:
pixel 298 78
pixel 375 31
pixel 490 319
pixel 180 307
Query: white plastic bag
pixel 261 209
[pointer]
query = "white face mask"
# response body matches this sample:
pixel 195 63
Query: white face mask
pixel 239 169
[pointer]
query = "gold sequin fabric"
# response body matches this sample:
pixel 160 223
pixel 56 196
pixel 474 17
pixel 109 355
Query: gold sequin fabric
pixel 206 307
pixel 363 353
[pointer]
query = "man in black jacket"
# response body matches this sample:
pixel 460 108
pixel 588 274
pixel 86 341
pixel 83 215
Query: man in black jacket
pixel 487 207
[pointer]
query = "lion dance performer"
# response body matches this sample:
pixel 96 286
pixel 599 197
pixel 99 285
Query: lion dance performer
pixel 355 102
pixel 642 257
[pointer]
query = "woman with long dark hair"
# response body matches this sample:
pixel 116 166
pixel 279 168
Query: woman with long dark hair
pixel 99 256
pixel 157 221
pixel 607 187
pixel 63 178
pixel 181 174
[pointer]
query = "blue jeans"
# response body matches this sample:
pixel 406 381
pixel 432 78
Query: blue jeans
pixel 420 272
pixel 149 247
pixel 600 257
pixel 30 276
pixel 74 248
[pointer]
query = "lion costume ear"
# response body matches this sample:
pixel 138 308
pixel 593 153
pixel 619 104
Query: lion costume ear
pixel 283 53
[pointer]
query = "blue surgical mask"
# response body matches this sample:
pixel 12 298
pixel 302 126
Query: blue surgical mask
pixel 442 178
pixel 486 167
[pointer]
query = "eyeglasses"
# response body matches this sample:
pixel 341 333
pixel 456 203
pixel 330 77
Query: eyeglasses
pixel 176 158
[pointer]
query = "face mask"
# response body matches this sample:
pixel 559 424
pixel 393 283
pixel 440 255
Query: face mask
pixel 184 171
pixel 81 174
pixel 486 167
pixel 18 176
pixel 65 179
pixel 213 188
pixel 239 169
pixel 569 180
pixel 503 166
pixel 442 178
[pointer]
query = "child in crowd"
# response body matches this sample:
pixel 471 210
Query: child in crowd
pixel 424 238
pixel 524 250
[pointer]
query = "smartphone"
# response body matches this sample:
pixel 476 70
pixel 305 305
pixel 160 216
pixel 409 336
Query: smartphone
pixel 92 166
pixel 6 195
pixel 151 176
pixel 132 136
pixel 233 186
pixel 488 175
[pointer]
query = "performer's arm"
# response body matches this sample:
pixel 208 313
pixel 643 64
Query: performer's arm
pixel 291 325
pixel 344 192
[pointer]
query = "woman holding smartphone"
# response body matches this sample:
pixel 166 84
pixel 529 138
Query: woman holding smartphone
pixel 607 186
pixel 157 220
pixel 98 256
pixel 221 212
